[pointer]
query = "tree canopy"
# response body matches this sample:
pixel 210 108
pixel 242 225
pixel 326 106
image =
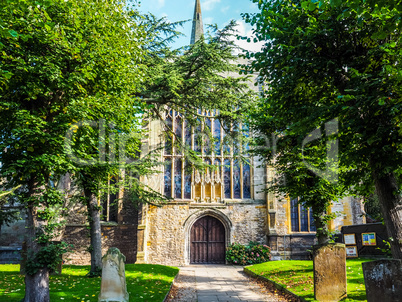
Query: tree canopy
pixel 62 62
pixel 324 61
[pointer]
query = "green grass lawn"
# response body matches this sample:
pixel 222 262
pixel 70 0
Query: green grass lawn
pixel 297 277
pixel 145 282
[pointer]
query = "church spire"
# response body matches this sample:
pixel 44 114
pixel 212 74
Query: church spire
pixel 197 23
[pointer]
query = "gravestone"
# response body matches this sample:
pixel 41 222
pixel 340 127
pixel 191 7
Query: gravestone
pixel 330 272
pixel 383 279
pixel 113 284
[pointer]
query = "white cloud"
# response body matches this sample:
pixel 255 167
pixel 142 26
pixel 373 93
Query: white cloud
pixel 225 9
pixel 157 4
pixel 208 20
pixel 253 6
pixel 209 4
pixel 246 31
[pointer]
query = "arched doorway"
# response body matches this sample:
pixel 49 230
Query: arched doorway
pixel 207 241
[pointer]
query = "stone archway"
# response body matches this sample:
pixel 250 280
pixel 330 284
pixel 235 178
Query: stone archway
pixel 207 236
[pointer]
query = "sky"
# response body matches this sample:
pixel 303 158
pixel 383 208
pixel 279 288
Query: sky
pixel 213 11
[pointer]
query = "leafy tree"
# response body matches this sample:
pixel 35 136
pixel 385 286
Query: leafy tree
pixel 373 209
pixel 61 58
pixel 328 60
pixel 107 153
pixel 198 76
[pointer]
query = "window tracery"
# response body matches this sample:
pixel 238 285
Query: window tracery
pixel 301 217
pixel 224 177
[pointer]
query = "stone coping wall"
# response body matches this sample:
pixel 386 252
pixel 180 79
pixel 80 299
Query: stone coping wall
pixel 295 246
pixel 124 237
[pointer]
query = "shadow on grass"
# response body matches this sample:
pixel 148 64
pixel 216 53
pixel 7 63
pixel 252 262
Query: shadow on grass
pixel 145 282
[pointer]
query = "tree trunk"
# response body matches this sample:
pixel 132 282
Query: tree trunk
pixel 36 285
pixel 322 228
pixel 391 206
pixel 94 232
pixel 319 215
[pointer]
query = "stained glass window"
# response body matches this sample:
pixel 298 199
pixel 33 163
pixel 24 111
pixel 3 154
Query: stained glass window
pixel 187 184
pixel 246 181
pixel 198 137
pixel 236 180
pixel 294 214
pixel 168 139
pixel 178 130
pixel 217 137
pixel 301 217
pixel 229 178
pixel 177 178
pixel 187 134
pixel 246 132
pixel 227 182
pixel 207 141
pixel 218 180
pixel 168 179
pixel 226 140
pixel 312 225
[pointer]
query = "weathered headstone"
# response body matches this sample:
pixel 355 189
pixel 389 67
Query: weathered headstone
pixel 113 285
pixel 330 272
pixel 383 279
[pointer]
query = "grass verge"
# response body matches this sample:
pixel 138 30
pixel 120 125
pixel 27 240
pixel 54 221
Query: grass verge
pixel 145 282
pixel 297 277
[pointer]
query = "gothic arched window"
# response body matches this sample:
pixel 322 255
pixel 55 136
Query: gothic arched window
pixel 225 177
pixel 301 217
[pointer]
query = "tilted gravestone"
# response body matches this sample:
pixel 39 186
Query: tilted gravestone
pixel 383 279
pixel 113 285
pixel 330 272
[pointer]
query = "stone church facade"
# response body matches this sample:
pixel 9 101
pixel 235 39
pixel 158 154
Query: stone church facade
pixel 212 209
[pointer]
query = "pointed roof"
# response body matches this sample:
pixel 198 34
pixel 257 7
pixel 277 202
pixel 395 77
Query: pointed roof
pixel 197 23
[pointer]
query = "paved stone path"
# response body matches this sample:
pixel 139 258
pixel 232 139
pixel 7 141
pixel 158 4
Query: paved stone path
pixel 217 283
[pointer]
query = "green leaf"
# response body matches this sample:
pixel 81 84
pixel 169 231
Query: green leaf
pixel 305 4
pixel 13 33
pixel 7 74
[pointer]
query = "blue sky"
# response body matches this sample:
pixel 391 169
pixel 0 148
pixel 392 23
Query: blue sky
pixel 213 11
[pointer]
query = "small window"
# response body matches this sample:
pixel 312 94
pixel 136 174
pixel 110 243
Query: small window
pixel 301 217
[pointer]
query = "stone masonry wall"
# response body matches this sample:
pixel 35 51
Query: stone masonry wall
pixel 168 228
pixel 124 237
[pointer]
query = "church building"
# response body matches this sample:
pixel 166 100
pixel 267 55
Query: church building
pixel 215 208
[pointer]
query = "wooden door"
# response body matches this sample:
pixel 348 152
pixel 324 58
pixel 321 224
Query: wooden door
pixel 207 241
